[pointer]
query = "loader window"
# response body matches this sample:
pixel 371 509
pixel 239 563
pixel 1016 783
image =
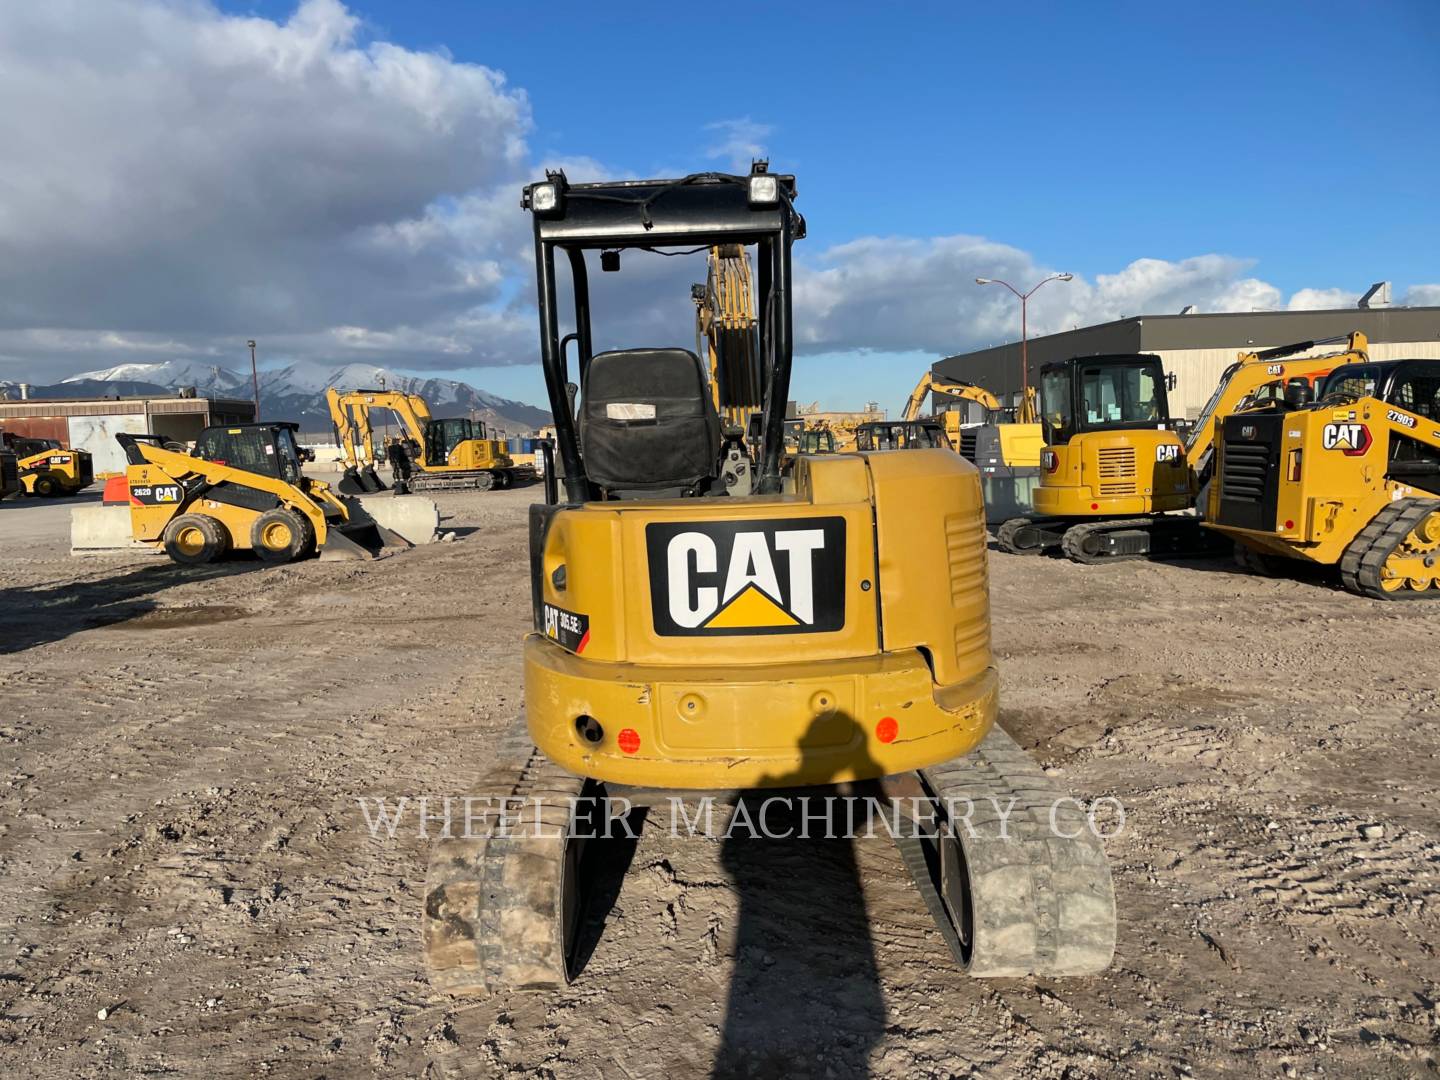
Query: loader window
pixel 1417 393
pixel 287 455
pixel 1352 380
pixel 242 448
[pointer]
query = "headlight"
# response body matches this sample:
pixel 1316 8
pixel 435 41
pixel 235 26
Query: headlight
pixel 544 198
pixel 764 190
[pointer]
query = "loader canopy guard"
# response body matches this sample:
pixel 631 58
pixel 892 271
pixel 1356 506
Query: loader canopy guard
pixel 695 213
pixel 268 449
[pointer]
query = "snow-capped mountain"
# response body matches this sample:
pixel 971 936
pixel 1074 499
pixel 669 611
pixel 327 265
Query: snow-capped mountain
pixel 297 392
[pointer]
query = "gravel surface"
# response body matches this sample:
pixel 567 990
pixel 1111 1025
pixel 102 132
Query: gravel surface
pixel 189 886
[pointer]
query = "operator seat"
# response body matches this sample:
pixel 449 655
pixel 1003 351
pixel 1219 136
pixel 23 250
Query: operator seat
pixel 648 425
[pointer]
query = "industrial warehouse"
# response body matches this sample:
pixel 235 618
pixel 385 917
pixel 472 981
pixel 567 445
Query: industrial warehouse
pixel 510 568
pixel 1197 348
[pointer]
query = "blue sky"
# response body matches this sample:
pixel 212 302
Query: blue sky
pixel 1231 155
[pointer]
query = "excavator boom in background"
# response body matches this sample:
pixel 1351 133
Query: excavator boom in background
pixel 432 455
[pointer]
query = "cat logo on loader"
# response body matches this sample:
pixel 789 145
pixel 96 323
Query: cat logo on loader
pixel 1351 439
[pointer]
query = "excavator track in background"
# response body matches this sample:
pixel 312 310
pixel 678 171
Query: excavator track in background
pixel 1162 536
pixel 1396 556
pixel 1028 893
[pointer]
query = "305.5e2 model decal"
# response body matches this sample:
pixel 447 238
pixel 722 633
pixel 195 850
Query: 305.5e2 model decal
pixel 774 576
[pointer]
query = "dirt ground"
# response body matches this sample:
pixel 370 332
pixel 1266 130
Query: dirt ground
pixel 181 845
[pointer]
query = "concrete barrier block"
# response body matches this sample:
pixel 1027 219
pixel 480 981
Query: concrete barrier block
pixel 105 530
pixel 414 517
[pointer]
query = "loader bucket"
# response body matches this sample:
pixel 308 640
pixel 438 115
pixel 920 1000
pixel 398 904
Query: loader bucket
pixel 350 483
pixel 362 537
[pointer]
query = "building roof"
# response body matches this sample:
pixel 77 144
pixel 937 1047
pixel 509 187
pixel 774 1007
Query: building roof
pixel 93 406
pixel 1220 330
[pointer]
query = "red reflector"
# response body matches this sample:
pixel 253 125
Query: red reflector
pixel 629 740
pixel 1289 524
pixel 1094 506
pixel 887 729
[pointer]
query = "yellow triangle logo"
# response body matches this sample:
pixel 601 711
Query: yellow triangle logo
pixel 751 607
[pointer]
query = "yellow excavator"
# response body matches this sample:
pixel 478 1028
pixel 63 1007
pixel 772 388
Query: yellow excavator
pixel 1005 447
pixel 433 455
pixel 1117 481
pixel 831 627
pixel 1350 480
pixel 241 489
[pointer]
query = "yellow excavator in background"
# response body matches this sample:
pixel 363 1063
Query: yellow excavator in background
pixel 1005 447
pixel 433 454
pixel 832 627
pixel 243 489
pixel 1349 480
pixel 1114 472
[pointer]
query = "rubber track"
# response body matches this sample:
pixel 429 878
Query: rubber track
pixel 1006 533
pixel 1043 903
pixel 1072 543
pixel 494 905
pixel 1364 559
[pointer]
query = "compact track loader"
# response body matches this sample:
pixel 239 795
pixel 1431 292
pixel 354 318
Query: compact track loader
pixel 1114 471
pixel 832 627
pixel 241 490
pixel 1349 480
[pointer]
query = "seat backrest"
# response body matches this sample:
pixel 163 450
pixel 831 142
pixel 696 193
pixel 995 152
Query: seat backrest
pixel 647 421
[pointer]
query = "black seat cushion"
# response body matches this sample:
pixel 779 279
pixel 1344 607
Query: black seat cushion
pixel 647 420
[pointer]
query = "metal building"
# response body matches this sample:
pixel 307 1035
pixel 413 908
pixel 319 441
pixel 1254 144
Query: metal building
pixel 92 423
pixel 1197 349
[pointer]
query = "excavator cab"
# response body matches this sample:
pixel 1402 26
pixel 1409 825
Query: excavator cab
pixel 830 627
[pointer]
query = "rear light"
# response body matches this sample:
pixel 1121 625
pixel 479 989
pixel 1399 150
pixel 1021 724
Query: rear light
pixel 1289 525
pixel 1294 471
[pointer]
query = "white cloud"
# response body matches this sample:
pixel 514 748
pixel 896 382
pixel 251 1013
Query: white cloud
pixel 180 172
pixel 738 142
pixel 1320 299
pixel 1423 296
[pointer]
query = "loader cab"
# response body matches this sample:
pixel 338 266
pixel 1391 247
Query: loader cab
pixel 1414 385
pixel 1103 393
pixel 817 441
pixel 647 424
pixel 269 449
pixel 925 434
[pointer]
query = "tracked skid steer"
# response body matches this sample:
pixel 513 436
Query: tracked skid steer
pixel 242 490
pixel 831 628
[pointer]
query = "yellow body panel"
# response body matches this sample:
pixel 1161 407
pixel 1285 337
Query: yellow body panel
pixel 1114 474
pixel 1021 445
pixel 69 470
pixel 1326 496
pixel 753 697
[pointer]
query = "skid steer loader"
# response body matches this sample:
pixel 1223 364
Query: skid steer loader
pixel 47 468
pixel 833 627
pixel 1351 479
pixel 241 490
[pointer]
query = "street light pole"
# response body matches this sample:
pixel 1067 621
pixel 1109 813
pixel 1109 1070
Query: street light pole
pixel 1024 321
pixel 254 379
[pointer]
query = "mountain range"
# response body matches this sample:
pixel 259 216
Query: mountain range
pixel 295 392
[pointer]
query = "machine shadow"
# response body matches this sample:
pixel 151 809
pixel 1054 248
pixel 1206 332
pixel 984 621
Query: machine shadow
pixel 33 615
pixel 805 996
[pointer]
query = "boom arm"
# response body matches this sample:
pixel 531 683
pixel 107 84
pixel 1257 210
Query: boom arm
pixel 937 384
pixel 411 409
pixel 1254 370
